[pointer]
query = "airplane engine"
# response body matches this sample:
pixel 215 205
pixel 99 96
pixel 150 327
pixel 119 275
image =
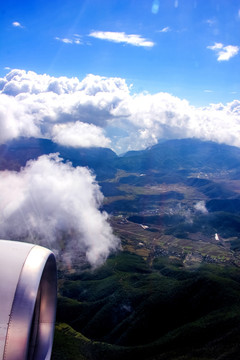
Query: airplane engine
pixel 28 291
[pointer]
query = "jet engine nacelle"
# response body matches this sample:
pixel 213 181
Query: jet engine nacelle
pixel 28 291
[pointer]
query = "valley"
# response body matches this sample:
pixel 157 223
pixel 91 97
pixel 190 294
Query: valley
pixel 172 219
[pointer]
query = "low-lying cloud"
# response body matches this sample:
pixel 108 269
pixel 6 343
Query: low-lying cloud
pixel 32 105
pixel 201 207
pixel 84 113
pixel 148 118
pixel 79 134
pixel 53 204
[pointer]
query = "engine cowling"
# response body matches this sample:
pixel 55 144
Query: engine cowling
pixel 28 292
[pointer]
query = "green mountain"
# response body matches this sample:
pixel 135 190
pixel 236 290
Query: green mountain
pixel 128 309
pixel 15 154
pixel 183 154
pixel 178 156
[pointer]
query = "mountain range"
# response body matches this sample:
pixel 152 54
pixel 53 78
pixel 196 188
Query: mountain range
pixel 181 156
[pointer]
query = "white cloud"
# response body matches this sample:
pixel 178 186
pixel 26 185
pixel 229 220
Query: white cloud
pixel 17 24
pixel 50 202
pixel 224 53
pixel 19 81
pixel 31 104
pixel 121 37
pixel 82 113
pixel 201 207
pixel 15 120
pixel 228 52
pixel 75 40
pixel 147 118
pixel 64 40
pixel 216 46
pixel 165 29
pixel 79 134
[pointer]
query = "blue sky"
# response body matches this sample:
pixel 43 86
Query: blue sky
pixel 175 49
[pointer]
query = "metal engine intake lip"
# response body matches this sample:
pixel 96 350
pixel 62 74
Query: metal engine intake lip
pixel 28 292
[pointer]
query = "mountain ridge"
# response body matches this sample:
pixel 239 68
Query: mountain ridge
pixel 170 155
pixel 183 153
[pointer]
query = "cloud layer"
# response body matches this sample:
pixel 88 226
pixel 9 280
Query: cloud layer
pixel 79 134
pixel 44 106
pixel 55 205
pixel 148 118
pixel 84 113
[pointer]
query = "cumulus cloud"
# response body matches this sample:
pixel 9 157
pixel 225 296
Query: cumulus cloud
pixel 122 37
pixel 15 120
pixel 20 81
pixel 83 113
pixel 224 53
pixel 31 104
pixel 148 118
pixel 53 204
pixel 79 134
